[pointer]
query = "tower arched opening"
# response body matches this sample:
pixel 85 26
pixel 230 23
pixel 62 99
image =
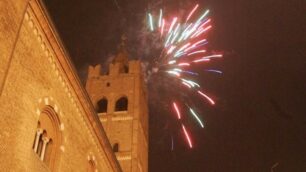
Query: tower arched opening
pixel 122 104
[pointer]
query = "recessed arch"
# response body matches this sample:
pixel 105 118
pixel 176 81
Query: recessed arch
pixel 121 104
pixel 102 105
pixel 116 147
pixel 48 137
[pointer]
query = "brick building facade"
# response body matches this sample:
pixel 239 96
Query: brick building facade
pixel 48 122
pixel 120 96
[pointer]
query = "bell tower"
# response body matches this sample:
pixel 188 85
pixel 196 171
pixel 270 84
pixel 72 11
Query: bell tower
pixel 120 98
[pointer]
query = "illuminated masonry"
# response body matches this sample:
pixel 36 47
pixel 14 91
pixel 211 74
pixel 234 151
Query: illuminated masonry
pixel 120 97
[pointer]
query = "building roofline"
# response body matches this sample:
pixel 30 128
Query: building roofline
pixel 69 70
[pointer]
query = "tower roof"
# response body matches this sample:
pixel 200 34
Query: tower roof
pixel 122 55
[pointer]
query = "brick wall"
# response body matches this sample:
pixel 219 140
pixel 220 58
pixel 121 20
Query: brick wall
pixel 128 128
pixel 37 78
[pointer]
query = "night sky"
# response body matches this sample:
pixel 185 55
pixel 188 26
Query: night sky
pixel 260 116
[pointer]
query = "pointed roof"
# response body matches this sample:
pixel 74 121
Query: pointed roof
pixel 122 55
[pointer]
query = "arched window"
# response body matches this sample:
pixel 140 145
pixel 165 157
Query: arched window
pixel 102 106
pixel 116 147
pixel 47 139
pixel 122 104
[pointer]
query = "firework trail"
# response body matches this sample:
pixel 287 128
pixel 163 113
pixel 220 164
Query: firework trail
pixel 187 136
pixel 181 44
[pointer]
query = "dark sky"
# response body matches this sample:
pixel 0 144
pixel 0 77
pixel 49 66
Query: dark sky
pixel 260 117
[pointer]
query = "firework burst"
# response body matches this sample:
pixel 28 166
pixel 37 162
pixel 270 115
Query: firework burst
pixel 183 49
